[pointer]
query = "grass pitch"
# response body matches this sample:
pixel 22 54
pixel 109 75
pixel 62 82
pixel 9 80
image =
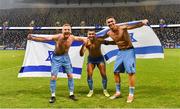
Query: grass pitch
pixel 157 85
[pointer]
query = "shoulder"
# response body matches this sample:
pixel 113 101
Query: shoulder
pixel 72 36
pixel 109 33
pixel 56 36
pixel 88 43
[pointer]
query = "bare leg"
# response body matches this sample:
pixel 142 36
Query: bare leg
pixel 102 69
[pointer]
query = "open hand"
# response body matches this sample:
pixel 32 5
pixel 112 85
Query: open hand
pixel 29 37
pixel 145 21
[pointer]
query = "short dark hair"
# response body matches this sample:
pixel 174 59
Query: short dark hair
pixel 92 30
pixel 109 17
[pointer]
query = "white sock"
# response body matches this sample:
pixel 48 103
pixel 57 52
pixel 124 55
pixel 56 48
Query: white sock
pixel 131 94
pixel 91 90
pixel 53 94
pixel 118 92
pixel 104 90
pixel 71 93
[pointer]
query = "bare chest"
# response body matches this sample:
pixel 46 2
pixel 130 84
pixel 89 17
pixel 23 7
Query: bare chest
pixel 64 43
pixel 94 46
pixel 118 36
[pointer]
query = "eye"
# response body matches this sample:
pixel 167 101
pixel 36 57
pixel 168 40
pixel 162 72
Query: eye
pixel 110 21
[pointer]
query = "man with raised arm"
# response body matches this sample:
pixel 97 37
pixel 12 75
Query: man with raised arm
pixel 125 60
pixel 61 58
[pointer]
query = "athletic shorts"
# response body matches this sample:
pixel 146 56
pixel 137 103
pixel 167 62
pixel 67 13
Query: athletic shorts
pixel 61 63
pixel 125 61
pixel 96 60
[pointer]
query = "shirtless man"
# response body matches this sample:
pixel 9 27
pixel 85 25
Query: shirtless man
pixel 125 60
pixel 95 57
pixel 61 58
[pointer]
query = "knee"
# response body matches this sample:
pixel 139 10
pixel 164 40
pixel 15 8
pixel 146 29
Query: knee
pixel 116 74
pixel 89 74
pixel 104 77
pixel 131 74
pixel 89 77
pixel 53 77
pixel 69 75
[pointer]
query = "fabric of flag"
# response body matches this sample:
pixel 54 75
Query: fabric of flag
pixel 37 60
pixel 144 40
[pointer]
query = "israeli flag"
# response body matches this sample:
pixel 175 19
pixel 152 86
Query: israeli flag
pixel 37 60
pixel 38 54
pixel 144 40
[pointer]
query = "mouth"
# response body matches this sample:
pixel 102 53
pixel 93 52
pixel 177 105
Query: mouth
pixel 111 25
pixel 67 33
pixel 91 38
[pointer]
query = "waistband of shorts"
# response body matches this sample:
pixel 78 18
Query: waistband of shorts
pixel 60 54
pixel 101 56
pixel 126 48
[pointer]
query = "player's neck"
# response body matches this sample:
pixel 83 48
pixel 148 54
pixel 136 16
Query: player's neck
pixel 64 38
pixel 92 40
pixel 115 29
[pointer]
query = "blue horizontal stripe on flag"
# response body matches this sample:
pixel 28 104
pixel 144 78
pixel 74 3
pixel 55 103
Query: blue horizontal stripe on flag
pixel 133 22
pixel 42 68
pixel 102 32
pixel 139 50
pixel 75 43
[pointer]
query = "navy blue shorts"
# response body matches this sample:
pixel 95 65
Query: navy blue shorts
pixel 96 60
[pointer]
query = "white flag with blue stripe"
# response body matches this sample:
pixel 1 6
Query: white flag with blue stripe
pixel 38 54
pixel 37 60
pixel 144 40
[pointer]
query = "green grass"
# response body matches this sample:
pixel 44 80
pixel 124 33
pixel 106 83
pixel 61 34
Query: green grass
pixel 157 85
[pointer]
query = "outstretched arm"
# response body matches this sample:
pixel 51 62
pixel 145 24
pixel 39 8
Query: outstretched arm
pixel 109 42
pixel 137 25
pixel 106 42
pixel 103 37
pixel 82 50
pixel 82 39
pixel 42 39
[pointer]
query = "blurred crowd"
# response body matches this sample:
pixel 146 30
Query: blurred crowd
pixel 165 14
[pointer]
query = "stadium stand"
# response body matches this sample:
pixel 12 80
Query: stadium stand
pixel 169 37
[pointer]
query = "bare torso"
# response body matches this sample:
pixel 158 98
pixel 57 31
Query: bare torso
pixel 62 46
pixel 94 48
pixel 121 38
